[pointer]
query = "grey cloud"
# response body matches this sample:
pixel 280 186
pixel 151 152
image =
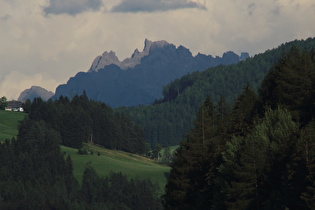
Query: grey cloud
pixel 71 7
pixel 155 5
pixel 277 10
pixel 251 8
pixel 5 17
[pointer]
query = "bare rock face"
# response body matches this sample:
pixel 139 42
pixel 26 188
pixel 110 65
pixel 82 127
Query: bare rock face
pixel 35 92
pixel 107 59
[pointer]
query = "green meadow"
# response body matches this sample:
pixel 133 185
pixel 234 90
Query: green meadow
pixel 105 161
pixel 9 122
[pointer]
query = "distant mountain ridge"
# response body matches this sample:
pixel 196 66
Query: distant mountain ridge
pixel 109 58
pixel 140 78
pixel 35 92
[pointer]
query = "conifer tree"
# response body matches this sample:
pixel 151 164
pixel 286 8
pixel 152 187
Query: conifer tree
pixel 243 112
pixel 262 172
pixel 195 164
pixel 290 83
pixel 306 148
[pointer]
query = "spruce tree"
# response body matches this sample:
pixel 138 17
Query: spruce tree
pixel 306 148
pixel 290 84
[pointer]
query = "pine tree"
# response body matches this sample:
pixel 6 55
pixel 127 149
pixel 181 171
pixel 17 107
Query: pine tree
pixel 3 102
pixel 244 112
pixel 290 84
pixel 260 163
pixel 191 182
pixel 306 148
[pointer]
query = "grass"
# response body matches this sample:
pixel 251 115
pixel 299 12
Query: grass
pixel 108 161
pixel 9 122
pixel 118 161
pixel 173 148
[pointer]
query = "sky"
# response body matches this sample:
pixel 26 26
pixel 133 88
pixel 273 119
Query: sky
pixel 45 42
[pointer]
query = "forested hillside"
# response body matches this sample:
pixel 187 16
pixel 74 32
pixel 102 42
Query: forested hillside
pixel 36 174
pixel 82 120
pixel 260 153
pixel 167 121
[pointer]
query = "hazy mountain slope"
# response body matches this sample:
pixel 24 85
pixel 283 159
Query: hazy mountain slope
pixel 35 91
pixel 139 79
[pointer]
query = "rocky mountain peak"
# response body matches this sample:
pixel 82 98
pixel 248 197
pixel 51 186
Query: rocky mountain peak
pixel 135 53
pixel 108 58
pixel 159 44
pixel 35 92
pixel 147 45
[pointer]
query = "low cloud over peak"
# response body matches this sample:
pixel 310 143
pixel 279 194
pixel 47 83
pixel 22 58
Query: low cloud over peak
pixel 71 7
pixel 155 5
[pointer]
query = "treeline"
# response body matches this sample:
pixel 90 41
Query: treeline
pixel 34 174
pixel 257 154
pixel 167 121
pixel 83 120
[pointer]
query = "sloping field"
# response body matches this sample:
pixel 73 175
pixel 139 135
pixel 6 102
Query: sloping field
pixel 117 161
pixel 9 122
pixel 103 160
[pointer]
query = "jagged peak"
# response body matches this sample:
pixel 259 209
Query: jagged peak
pixel 135 53
pixel 111 55
pixel 108 58
pixel 159 44
pixel 147 45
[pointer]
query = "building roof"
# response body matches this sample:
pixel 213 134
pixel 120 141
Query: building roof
pixel 14 104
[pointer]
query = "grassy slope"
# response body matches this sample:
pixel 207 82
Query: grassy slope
pixel 8 124
pixel 109 160
pixel 117 161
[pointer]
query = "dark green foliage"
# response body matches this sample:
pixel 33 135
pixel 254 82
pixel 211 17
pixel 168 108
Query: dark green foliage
pixel 260 154
pixel 156 153
pixel 27 106
pixel 291 83
pixel 33 171
pixel 34 174
pixel 306 154
pixel 260 164
pixel 81 120
pixel 194 168
pixel 117 192
pixel 167 156
pixel 3 102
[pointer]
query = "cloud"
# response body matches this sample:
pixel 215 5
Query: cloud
pixel 5 17
pixel 71 7
pixel 155 5
pixel 60 46
pixel 15 82
pixel 251 8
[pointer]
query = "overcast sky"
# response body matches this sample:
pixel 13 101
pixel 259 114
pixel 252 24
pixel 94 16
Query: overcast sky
pixel 45 42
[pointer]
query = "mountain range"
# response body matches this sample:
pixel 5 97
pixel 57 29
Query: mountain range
pixel 139 80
